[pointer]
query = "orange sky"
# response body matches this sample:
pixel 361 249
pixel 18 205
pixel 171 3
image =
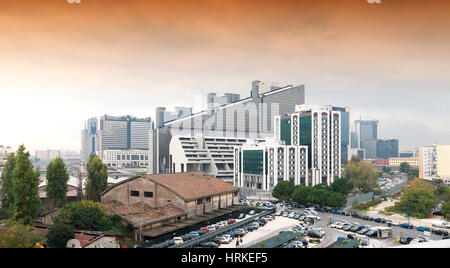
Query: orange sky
pixel 87 57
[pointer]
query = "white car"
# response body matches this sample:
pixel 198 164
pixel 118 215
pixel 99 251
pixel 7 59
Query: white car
pixel 224 240
pixel 211 228
pixel 291 215
pixel 441 224
pixel 229 237
pixel 178 240
pixel 334 225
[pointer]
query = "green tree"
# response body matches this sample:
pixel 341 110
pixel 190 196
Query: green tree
pixel 283 190
pixel 97 179
pixel 343 186
pixel 405 167
pixel 417 202
pixel 336 200
pixel 25 187
pixel 362 174
pixel 59 234
pixel 300 194
pixel 57 178
pixel 6 190
pixel 84 215
pixel 19 236
pixel 446 210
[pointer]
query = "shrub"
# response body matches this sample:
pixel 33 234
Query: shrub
pixel 59 234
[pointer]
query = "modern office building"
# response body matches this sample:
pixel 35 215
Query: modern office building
pixel 320 129
pixel 407 154
pixel 213 155
pixel 262 165
pixel 124 133
pixel 354 140
pixel 248 118
pixel 345 132
pixel 118 159
pixel 366 130
pixel 360 153
pixel 387 148
pixel 89 140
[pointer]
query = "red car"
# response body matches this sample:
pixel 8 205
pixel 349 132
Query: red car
pixel 206 229
pixel 231 221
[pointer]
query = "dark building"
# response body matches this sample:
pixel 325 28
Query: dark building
pixel 387 148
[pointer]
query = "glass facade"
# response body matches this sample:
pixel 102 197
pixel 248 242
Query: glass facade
pixel 285 129
pixel 305 135
pixel 253 162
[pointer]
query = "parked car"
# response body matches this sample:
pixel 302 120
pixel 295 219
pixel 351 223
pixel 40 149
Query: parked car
pixel 252 212
pixel 405 240
pixel 241 216
pixel 231 221
pixel 392 223
pixel 423 228
pixel 372 233
pixel 380 220
pixel 201 232
pixel 211 228
pixel 209 245
pixel 365 241
pixel 406 225
pixel 224 240
pixel 439 232
pixel 239 233
pixel 441 224
pixel 194 234
pixel 177 240
pixel 206 229
pixel 336 211
pixel 278 213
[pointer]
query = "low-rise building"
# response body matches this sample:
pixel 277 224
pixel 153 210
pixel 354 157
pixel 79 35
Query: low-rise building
pixel 397 161
pixel 118 159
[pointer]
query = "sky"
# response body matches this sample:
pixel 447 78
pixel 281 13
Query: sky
pixel 62 63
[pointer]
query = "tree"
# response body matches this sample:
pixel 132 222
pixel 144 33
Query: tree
pixel 25 187
pixel 343 186
pixel 336 200
pixel 97 179
pixel 84 215
pixel 362 174
pixel 57 178
pixel 405 167
pixel 6 190
pixel 19 236
pixel 59 234
pixel 446 210
pixel 417 202
pixel 283 190
pixel 300 194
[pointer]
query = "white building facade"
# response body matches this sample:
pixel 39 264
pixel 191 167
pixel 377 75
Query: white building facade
pixel 118 159
pixel 262 166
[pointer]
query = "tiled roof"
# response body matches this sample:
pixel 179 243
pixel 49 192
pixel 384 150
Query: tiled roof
pixel 192 185
pixel 141 214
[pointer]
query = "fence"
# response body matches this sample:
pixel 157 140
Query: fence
pixel 255 194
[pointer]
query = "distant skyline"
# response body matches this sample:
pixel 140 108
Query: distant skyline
pixel 62 64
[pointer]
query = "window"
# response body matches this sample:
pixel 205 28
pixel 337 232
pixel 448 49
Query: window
pixel 199 201
pixel 208 200
pixel 148 194
pixel 134 193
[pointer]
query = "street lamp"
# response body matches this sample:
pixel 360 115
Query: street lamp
pixel 409 217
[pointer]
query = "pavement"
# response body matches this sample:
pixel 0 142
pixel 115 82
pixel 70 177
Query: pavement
pixel 272 228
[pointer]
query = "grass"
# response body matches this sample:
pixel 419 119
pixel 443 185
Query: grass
pixel 366 205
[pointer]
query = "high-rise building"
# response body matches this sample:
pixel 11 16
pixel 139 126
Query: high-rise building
pixel 387 148
pixel 263 165
pixel 443 162
pixel 89 140
pixel 124 133
pixel 345 132
pixel 163 116
pixel 248 118
pixel 47 155
pixel 428 162
pixel 320 129
pixel 366 130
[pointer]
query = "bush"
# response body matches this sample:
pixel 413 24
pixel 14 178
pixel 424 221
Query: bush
pixel 19 236
pixel 4 213
pixel 59 234
pixel 366 205
pixel 88 215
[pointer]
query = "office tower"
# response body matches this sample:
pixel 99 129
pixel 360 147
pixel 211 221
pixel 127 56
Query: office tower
pixel 320 129
pixel 407 154
pixel 213 101
pixel 387 148
pixel 263 165
pixel 89 140
pixel 360 153
pixel 345 132
pixel 370 149
pixel 366 130
pixel 354 140
pixel 248 118
pixel 124 133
